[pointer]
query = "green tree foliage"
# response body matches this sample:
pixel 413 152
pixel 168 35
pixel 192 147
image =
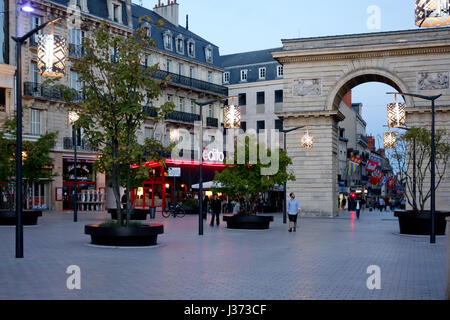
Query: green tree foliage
pixel 403 157
pixel 116 86
pixel 246 181
pixel 36 162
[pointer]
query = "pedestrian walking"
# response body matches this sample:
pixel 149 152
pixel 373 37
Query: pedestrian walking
pixel 358 208
pixel 205 207
pixel 381 204
pixel 293 211
pixel 216 206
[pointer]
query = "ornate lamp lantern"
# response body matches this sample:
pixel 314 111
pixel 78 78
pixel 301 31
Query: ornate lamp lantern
pixel 390 140
pixel 232 116
pixel 73 117
pixel 396 114
pixel 174 135
pixel 52 54
pixel 432 13
pixel 307 140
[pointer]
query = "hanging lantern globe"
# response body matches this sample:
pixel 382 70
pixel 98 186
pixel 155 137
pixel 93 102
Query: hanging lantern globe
pixel 73 117
pixel 432 13
pixel 390 140
pixel 232 117
pixel 174 135
pixel 307 140
pixel 52 54
pixel 396 115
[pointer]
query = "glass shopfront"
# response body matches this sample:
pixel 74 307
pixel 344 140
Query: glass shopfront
pixel 85 179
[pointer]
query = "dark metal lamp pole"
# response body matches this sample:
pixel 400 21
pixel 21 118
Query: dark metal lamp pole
pixel 19 205
pixel 285 132
pixel 200 188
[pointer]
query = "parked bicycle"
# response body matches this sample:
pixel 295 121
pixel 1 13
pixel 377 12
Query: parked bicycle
pixel 176 211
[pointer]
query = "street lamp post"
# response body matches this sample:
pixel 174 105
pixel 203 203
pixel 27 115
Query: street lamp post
pixel 433 158
pixel 19 205
pixel 285 132
pixel 200 188
pixel 73 118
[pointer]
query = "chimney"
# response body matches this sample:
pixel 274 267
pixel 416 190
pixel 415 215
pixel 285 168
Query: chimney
pixel 168 11
pixel 187 22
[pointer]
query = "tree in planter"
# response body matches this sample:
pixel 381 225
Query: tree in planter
pixel 115 87
pixel 246 181
pixel 402 156
pixel 37 164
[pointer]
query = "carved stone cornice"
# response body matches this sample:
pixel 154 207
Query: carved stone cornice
pixel 336 114
pixel 363 55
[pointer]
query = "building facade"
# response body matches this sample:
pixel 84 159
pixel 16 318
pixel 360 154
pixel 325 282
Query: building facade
pixel 191 62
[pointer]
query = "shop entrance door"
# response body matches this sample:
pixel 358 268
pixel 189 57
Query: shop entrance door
pixel 69 187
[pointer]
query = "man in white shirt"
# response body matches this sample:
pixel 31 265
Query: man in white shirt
pixel 293 210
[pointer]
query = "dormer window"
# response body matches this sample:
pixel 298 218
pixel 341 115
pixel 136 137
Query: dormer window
pixel 244 75
pixel 226 77
pixel 280 71
pixel 168 40
pixel 180 44
pixel 148 29
pixel 262 73
pixel 209 54
pixel 191 48
pixel 116 13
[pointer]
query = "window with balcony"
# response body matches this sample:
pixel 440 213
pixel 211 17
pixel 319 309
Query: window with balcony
pixel 260 97
pixel 181 105
pixel 35 122
pixel 226 77
pixel 244 75
pixel 35 22
pixel 181 69
pixel 169 65
pixel 76 42
pixel 192 72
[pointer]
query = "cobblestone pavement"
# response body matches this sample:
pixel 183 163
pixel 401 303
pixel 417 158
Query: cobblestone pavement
pixel 325 259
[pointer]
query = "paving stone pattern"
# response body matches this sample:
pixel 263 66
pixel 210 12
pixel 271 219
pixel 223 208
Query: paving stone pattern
pixel 324 259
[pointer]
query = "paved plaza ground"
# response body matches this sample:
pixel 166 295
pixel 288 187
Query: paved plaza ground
pixel 325 259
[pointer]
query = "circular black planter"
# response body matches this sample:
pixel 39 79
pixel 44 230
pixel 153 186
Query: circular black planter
pixel 146 235
pixel 137 215
pixel 415 223
pixel 30 218
pixel 248 222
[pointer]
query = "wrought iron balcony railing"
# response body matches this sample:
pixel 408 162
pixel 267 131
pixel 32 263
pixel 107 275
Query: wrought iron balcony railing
pixel 191 83
pixel 183 116
pixel 212 122
pixel 76 50
pixel 81 146
pixel 34 89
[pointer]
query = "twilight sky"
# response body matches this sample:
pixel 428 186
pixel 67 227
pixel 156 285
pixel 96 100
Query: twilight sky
pixel 248 25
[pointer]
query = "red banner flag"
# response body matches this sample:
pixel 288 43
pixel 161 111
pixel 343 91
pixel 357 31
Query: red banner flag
pixel 371 166
pixel 356 160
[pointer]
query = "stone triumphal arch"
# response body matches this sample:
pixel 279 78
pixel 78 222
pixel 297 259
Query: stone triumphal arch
pixel 318 72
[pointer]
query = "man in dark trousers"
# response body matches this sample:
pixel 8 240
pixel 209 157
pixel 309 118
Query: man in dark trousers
pixel 216 207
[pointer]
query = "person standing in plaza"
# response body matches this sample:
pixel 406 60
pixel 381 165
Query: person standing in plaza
pixel 358 207
pixel 205 206
pixel 293 210
pixel 216 206
pixel 381 204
